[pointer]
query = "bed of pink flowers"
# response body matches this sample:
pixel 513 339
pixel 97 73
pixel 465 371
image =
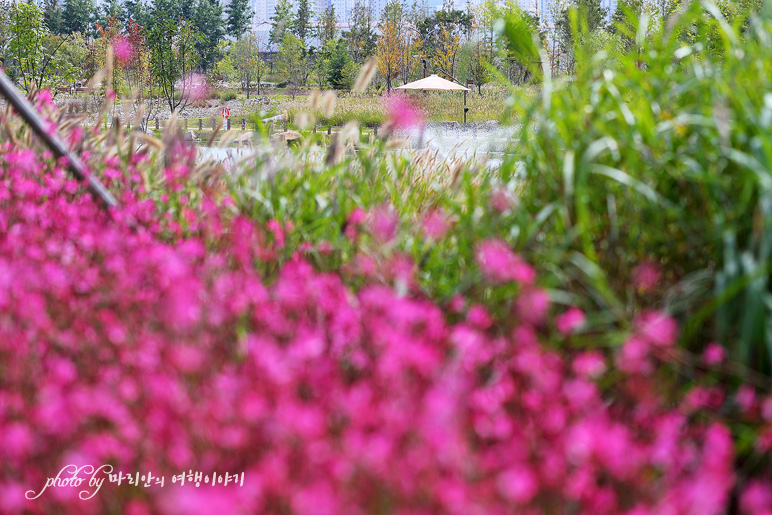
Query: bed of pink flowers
pixel 157 349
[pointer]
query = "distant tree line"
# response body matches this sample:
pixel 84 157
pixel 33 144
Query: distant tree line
pixel 66 40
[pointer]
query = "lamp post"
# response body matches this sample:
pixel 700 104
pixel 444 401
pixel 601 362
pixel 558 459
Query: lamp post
pixel 423 47
pixel 466 109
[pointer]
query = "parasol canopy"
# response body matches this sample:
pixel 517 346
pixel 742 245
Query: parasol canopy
pixel 434 83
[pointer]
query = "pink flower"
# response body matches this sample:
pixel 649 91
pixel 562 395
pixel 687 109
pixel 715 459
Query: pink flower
pixel 44 99
pixel 756 498
pixel 657 328
pixel 766 409
pixel 123 50
pixel 403 114
pixel 278 233
pixel 634 357
pixel 698 398
pixel 479 317
pixel 589 364
pixel 195 87
pixel 518 484
pixel 746 398
pixel 532 306
pixel 435 224
pixel 501 200
pixel 24 161
pixel 500 264
pixel 383 222
pixel 357 216
pixel 457 303
pixel 570 321
pixel 646 276
pixel 714 354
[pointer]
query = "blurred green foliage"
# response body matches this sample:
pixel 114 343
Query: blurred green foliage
pixel 660 154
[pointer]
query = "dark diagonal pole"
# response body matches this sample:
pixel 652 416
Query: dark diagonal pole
pixel 54 142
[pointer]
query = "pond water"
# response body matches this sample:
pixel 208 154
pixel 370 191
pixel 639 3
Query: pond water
pixel 487 141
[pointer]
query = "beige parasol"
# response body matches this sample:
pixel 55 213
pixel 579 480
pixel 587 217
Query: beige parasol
pixel 434 83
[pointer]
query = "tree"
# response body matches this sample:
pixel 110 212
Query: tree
pixel 76 16
pixel 6 8
pixel 173 56
pixel 186 9
pixel 139 11
pixel 107 36
pixel 291 60
pixel 328 25
pixel 486 16
pixel 454 21
pixel 52 16
pixel 248 68
pixel 301 25
pixel 209 22
pixel 446 50
pixel 478 66
pixel 390 44
pixel 361 37
pixel 588 14
pixel 166 9
pixel 281 21
pixel 136 10
pixel 109 9
pixel 138 69
pixel 34 56
pixel 340 66
pixel 237 18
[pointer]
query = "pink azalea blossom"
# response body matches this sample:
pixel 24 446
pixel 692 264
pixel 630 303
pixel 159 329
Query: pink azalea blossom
pixel 518 484
pixel 478 316
pixel 357 216
pixel 766 409
pixel 383 222
pixel 457 303
pixel 746 398
pixel 502 201
pixel 278 233
pixel 657 328
pixel 589 364
pixel 646 276
pixel 570 321
pixel 532 306
pixel 435 224
pixel 756 498
pixel 500 264
pixel 634 357
pixel 713 354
